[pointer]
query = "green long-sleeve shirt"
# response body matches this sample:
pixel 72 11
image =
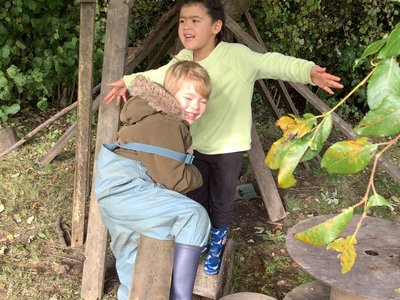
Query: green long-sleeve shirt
pixel 225 127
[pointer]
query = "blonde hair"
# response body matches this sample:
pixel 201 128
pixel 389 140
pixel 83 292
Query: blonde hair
pixel 187 70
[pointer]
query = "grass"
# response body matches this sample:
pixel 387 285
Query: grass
pixel 34 264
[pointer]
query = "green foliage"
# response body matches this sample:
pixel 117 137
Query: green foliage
pixel 330 33
pixel 38 49
pixel 39 42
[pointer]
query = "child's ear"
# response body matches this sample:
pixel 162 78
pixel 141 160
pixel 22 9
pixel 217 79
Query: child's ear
pixel 217 27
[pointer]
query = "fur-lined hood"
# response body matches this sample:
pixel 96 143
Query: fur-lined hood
pixel 148 98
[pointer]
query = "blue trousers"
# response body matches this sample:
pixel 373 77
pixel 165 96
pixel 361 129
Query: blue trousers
pixel 131 204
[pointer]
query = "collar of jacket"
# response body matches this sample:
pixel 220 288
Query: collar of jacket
pixel 156 96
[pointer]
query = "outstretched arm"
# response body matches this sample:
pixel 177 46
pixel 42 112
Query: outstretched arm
pixel 118 91
pixel 324 80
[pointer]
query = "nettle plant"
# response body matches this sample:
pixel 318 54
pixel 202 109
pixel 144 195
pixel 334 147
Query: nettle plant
pixel 303 139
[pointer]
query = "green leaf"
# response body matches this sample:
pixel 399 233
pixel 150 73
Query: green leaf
pixel 373 48
pixel 378 200
pixel 5 52
pixel 345 246
pixel 392 47
pixel 383 120
pixel 348 157
pixel 13 109
pixel 290 161
pixel 20 45
pixel 3 82
pixel 327 231
pixel 42 104
pixel 384 82
pixel 318 142
pixel 37 61
pixel 276 152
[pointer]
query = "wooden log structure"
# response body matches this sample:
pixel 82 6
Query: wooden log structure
pixel 84 121
pixel 113 68
pixel 153 269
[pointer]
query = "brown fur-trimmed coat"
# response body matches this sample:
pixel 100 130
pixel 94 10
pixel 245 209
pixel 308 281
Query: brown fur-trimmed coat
pixel 153 116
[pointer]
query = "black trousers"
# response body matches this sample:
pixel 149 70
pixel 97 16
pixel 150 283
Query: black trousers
pixel 220 176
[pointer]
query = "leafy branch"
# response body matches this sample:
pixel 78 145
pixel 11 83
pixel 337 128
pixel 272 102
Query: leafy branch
pixel 303 139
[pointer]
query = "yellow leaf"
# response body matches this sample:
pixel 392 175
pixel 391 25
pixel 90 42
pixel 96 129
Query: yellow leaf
pixel 345 246
pixel 285 122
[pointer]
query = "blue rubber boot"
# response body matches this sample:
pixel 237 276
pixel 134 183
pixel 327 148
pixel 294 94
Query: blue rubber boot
pixel 186 261
pixel 217 246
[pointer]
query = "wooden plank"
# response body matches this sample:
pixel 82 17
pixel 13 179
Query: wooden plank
pixel 113 68
pixel 64 139
pixel 167 45
pixel 267 97
pixel 383 163
pixel 251 27
pixel 153 270
pixel 84 121
pixel 265 181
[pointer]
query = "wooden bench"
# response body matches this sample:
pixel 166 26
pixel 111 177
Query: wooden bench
pixel 153 272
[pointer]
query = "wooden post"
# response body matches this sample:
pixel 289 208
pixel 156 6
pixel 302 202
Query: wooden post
pixel 153 270
pixel 265 181
pixel 84 120
pixel 113 69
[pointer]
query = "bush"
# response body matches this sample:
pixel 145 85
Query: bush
pixel 330 33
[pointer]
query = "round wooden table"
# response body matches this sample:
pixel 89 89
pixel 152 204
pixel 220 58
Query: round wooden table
pixel 376 272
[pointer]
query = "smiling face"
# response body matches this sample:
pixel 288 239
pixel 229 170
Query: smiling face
pixel 197 31
pixel 191 102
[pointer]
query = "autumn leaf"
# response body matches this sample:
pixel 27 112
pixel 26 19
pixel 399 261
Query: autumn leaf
pixel 294 126
pixel 383 120
pixel 348 157
pixel 290 160
pixel 275 154
pixel 345 246
pixel 327 231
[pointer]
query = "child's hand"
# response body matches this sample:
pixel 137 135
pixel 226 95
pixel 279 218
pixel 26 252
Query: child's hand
pixel 190 150
pixel 324 80
pixel 118 90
